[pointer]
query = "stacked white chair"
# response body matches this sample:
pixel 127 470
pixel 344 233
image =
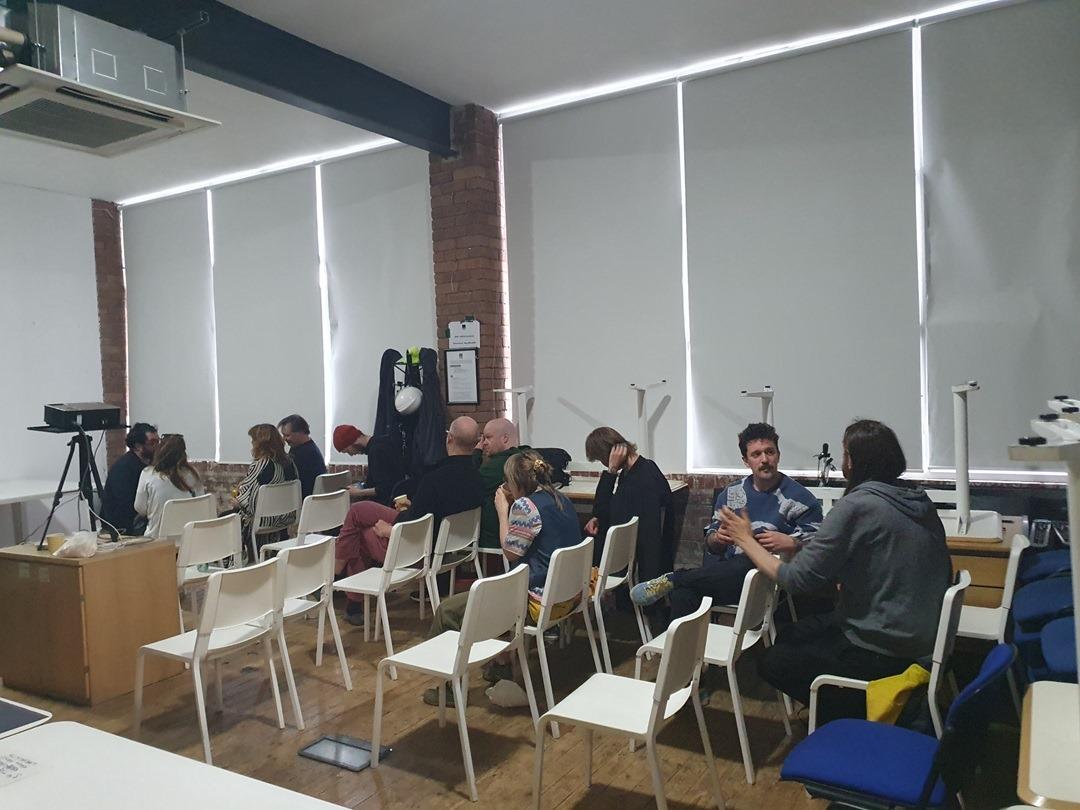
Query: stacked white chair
pixel 330 482
pixel 456 545
pixel 308 571
pixel 496 607
pixel 202 543
pixel 273 503
pixel 318 515
pixel 620 547
pixel 243 607
pixel 178 512
pixel 640 709
pixel 725 645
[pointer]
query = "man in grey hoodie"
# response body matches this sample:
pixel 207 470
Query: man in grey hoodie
pixel 883 546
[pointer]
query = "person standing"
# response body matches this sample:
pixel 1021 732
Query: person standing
pixel 305 454
pixel 118 497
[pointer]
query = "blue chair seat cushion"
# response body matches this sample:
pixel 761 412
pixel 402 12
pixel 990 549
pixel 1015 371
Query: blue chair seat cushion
pixel 1036 604
pixel 1059 647
pixel 1041 565
pixel 871 759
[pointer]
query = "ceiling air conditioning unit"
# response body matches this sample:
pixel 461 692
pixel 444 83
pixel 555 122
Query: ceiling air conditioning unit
pixel 94 86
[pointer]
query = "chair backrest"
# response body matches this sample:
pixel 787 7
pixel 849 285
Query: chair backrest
pixel 951 606
pixel 496 605
pixel 964 737
pixel 330 482
pixel 1019 543
pixel 569 572
pixel 322 513
pixel 619 548
pixel 680 663
pixel 239 596
pixel 180 511
pixel 206 541
pixel 456 533
pixel 753 610
pixel 276 501
pixel 304 569
pixel 410 543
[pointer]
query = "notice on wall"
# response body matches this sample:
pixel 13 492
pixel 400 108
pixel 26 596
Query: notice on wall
pixel 464 334
pixel 462 377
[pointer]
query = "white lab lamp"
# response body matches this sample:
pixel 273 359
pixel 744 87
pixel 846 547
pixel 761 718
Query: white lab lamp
pixel 523 394
pixel 765 394
pixel 639 389
pixel 979 524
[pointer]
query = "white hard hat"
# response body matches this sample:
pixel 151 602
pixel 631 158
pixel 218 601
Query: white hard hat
pixel 407 400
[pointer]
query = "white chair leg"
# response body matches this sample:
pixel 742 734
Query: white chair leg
pixel 219 693
pixel 657 777
pixel 290 681
pixel 523 663
pixel 538 766
pixel 433 592
pixel 200 707
pixel 320 634
pixel 345 676
pixel 180 612
pixel 268 648
pixel 643 626
pixel 376 727
pixel 367 618
pixel 423 596
pixel 710 762
pixel 463 733
pixel 637 677
pixel 442 703
pixel 592 637
pixel 140 665
pixel 546 675
pixel 1011 676
pixel 601 631
pixel 588 757
pixel 479 570
pixel 453 581
pixel 381 610
pixel 740 723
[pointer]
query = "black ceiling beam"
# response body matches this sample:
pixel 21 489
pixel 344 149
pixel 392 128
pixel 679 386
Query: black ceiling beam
pixel 256 56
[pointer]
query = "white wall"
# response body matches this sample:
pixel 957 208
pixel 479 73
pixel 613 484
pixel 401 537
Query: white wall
pixel 49 324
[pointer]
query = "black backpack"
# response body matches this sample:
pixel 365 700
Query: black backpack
pixel 558 459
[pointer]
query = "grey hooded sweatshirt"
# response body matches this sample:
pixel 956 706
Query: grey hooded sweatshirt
pixel 885 547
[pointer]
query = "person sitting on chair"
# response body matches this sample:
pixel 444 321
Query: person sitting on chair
pixel 169 478
pixel 270 465
pixel 385 467
pixel 497 443
pixel 303 451
pixel 783 515
pixel 118 497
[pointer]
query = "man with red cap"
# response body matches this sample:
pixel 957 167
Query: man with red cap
pixel 385 467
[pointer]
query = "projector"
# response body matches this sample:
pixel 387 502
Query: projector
pixel 86 415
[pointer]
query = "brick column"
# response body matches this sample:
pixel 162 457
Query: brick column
pixel 112 316
pixel 469 251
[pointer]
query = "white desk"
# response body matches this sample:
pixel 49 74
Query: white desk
pixel 1048 775
pixel 583 490
pixel 17 492
pixel 81 767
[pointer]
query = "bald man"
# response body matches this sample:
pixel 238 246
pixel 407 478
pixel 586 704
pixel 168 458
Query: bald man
pixel 498 442
pixel 453 485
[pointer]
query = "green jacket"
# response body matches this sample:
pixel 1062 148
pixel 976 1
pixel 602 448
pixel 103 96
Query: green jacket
pixel 491 473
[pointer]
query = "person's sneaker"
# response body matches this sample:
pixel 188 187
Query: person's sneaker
pixel 431 697
pixel 647 593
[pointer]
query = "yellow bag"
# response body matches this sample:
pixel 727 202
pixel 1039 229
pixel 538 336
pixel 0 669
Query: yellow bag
pixel 562 609
pixel 885 697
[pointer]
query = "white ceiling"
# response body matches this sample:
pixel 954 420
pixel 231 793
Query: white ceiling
pixel 496 53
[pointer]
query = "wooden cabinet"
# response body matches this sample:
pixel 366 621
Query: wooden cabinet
pixel 986 562
pixel 70 628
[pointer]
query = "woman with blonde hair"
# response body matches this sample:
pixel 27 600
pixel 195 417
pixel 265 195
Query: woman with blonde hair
pixel 270 465
pixel 169 477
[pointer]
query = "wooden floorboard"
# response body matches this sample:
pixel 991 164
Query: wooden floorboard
pixel 425 769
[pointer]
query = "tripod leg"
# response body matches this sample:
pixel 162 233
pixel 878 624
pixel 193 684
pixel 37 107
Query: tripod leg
pixel 59 491
pixel 97 482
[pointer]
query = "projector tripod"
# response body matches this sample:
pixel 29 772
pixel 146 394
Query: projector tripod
pixel 89 477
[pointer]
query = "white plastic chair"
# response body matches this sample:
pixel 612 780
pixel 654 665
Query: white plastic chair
pixel 407 556
pixel 178 512
pixel 640 709
pixel 496 607
pixel 948 620
pixel 725 645
pixel 569 572
pixel 243 607
pixel 455 545
pixel 482 551
pixel 201 543
pixel 330 482
pixel 318 514
pixel 305 571
pixel 620 547
pixel 273 502
pixel 990 624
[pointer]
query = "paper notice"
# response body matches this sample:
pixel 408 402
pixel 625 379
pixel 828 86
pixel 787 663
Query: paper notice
pixel 14 767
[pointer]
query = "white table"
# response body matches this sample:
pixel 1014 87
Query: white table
pixel 81 767
pixel 1048 775
pixel 583 490
pixel 16 492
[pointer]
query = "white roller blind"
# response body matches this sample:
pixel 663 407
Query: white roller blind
pixel 266 292
pixel 801 248
pixel 171 319
pixel 1002 124
pixel 377 215
pixel 593 232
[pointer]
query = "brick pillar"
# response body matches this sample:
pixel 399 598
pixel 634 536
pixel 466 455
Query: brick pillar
pixel 470 253
pixel 112 316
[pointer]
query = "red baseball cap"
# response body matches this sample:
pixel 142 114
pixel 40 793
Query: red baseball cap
pixel 345 435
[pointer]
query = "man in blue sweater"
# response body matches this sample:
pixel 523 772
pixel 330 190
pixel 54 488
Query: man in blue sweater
pixel 783 515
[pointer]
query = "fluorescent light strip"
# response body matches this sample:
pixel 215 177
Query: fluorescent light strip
pixel 127 331
pixel 269 168
pixel 504 276
pixel 324 307
pixel 213 326
pixel 742 58
pixel 920 242
pixel 934 474
pixel 691 414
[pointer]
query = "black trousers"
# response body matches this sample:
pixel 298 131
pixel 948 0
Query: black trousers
pixel 722 581
pixel 817 646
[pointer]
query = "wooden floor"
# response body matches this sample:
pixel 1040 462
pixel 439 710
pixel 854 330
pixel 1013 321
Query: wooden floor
pixel 425 768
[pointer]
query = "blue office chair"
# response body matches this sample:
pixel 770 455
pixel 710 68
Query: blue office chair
pixel 1058 639
pixel 1033 606
pixel 874 765
pixel 1036 565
